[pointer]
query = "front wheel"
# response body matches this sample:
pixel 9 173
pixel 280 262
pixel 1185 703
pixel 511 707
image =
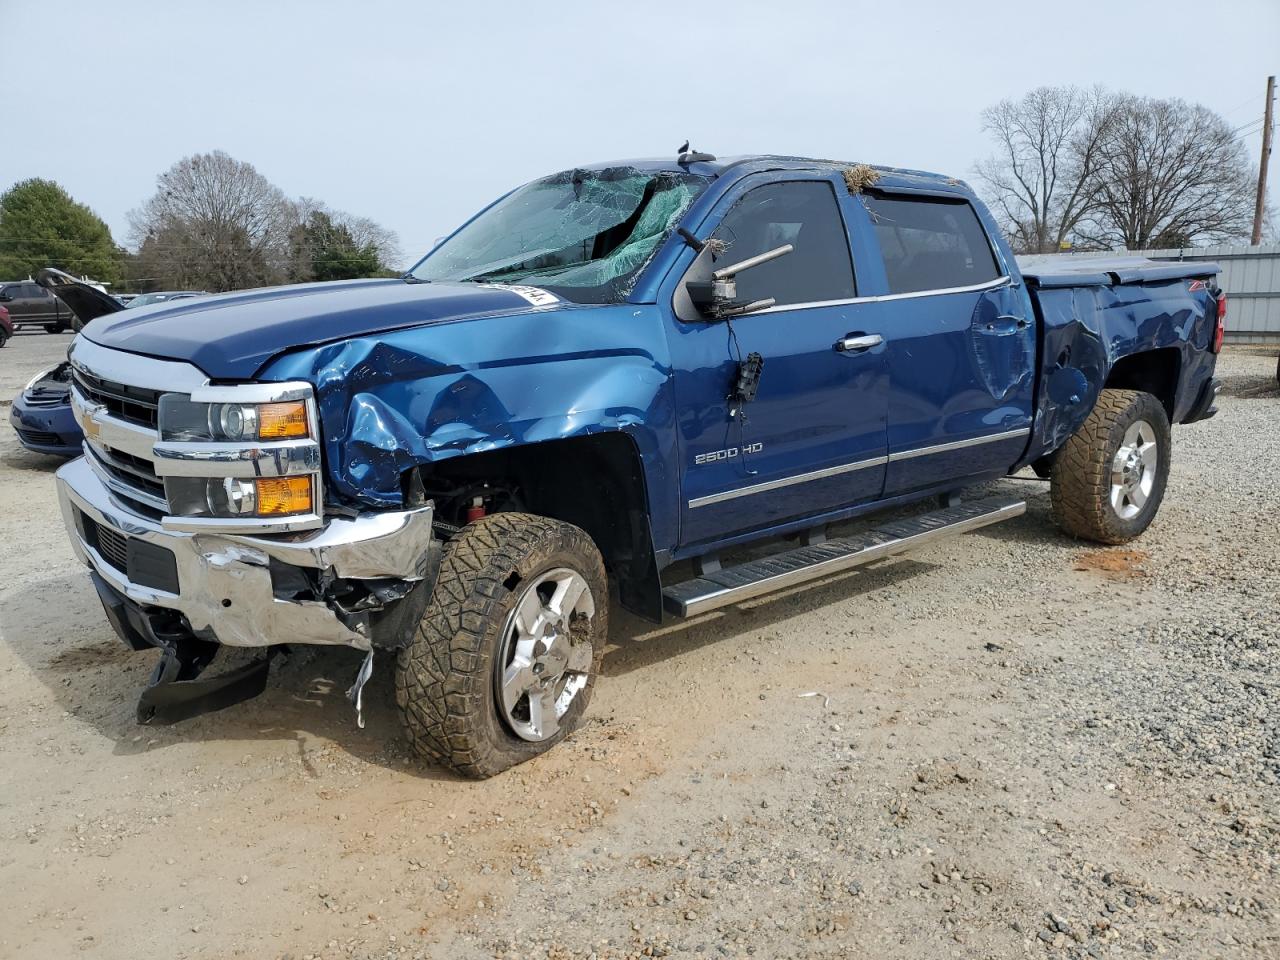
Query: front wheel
pixel 1109 480
pixel 503 663
pixel 58 327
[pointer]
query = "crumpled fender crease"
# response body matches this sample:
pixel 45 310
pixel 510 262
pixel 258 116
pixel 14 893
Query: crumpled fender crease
pixel 391 403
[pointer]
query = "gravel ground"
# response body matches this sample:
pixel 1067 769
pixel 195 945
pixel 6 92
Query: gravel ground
pixel 1007 745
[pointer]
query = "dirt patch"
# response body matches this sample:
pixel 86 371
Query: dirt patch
pixel 964 753
pixel 1114 564
pixel 110 651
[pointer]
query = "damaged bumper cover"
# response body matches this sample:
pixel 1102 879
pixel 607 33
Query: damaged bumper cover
pixel 242 590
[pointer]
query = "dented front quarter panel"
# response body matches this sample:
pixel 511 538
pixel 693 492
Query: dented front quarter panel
pixel 411 397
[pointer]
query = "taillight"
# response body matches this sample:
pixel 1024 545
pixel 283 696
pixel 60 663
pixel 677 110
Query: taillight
pixel 1220 328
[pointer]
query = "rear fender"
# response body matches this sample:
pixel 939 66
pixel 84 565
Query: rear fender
pixel 1150 336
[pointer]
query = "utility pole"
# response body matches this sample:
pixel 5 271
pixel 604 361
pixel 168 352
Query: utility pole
pixel 1261 205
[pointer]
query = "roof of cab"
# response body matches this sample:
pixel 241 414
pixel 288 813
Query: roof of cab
pixel 894 177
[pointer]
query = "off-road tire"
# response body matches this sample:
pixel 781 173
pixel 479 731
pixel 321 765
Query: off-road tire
pixel 444 679
pixel 1080 483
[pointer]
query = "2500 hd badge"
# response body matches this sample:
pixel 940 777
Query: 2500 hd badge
pixel 717 455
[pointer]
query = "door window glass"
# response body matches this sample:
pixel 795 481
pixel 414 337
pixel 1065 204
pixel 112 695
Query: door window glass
pixel 930 244
pixel 804 214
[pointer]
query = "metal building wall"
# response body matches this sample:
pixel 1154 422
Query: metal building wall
pixel 1250 275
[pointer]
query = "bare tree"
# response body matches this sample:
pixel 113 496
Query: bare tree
pixel 1041 182
pixel 216 223
pixel 1168 174
pixel 370 233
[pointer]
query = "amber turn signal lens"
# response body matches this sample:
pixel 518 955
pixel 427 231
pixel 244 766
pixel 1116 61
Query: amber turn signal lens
pixel 277 495
pixel 279 421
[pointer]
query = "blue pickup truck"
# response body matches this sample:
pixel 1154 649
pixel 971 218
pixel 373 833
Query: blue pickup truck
pixel 603 373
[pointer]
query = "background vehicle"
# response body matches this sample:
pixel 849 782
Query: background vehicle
pixel 31 305
pixel 6 326
pixel 607 371
pixel 42 416
pixel 162 296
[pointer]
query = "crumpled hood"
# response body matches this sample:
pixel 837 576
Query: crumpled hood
pixel 232 335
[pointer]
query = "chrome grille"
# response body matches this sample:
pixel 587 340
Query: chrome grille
pixel 124 449
pixel 113 547
pixel 132 404
pixel 131 471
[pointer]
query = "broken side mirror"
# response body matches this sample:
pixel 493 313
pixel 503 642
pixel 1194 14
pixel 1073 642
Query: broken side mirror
pixel 717 298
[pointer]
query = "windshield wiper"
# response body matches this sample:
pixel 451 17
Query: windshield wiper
pixel 508 272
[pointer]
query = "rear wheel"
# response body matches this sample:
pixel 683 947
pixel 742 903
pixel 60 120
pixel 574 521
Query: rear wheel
pixel 503 664
pixel 1109 479
pixel 58 327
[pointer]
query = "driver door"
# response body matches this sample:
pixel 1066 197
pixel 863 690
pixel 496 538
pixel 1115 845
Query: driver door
pixel 813 440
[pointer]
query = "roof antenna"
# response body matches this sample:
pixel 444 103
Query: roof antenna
pixel 687 156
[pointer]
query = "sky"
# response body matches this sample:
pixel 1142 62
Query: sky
pixel 418 114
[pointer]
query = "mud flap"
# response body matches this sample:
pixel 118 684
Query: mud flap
pixel 175 694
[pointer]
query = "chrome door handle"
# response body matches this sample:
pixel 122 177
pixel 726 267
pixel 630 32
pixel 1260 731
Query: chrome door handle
pixel 859 343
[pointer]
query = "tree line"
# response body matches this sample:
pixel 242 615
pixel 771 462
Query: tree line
pixel 1097 170
pixel 214 223
pixel 1073 168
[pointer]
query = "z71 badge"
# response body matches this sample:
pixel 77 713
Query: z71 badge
pixel 715 456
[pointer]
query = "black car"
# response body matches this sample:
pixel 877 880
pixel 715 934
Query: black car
pixel 31 305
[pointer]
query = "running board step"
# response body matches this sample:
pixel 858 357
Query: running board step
pixel 781 570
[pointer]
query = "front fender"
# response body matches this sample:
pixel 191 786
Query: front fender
pixel 410 398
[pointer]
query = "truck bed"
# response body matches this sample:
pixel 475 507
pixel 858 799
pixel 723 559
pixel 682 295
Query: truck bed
pixel 1096 314
pixel 1108 271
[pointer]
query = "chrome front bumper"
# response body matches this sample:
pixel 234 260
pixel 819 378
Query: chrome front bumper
pixel 224 580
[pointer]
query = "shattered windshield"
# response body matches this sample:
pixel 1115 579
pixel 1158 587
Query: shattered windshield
pixel 582 234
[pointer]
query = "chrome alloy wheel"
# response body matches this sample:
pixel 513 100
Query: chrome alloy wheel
pixel 542 665
pixel 1133 470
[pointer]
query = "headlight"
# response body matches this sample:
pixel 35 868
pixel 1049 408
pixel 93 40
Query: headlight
pixel 233 497
pixel 184 419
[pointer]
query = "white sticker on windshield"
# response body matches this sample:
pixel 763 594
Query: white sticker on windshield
pixel 535 295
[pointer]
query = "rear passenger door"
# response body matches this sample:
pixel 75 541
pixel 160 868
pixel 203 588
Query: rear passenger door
pixel 960 339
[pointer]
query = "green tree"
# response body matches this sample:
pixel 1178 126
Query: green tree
pixel 42 226
pixel 326 249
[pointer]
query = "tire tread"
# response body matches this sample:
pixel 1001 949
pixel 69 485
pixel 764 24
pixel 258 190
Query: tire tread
pixel 441 676
pixel 1080 484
